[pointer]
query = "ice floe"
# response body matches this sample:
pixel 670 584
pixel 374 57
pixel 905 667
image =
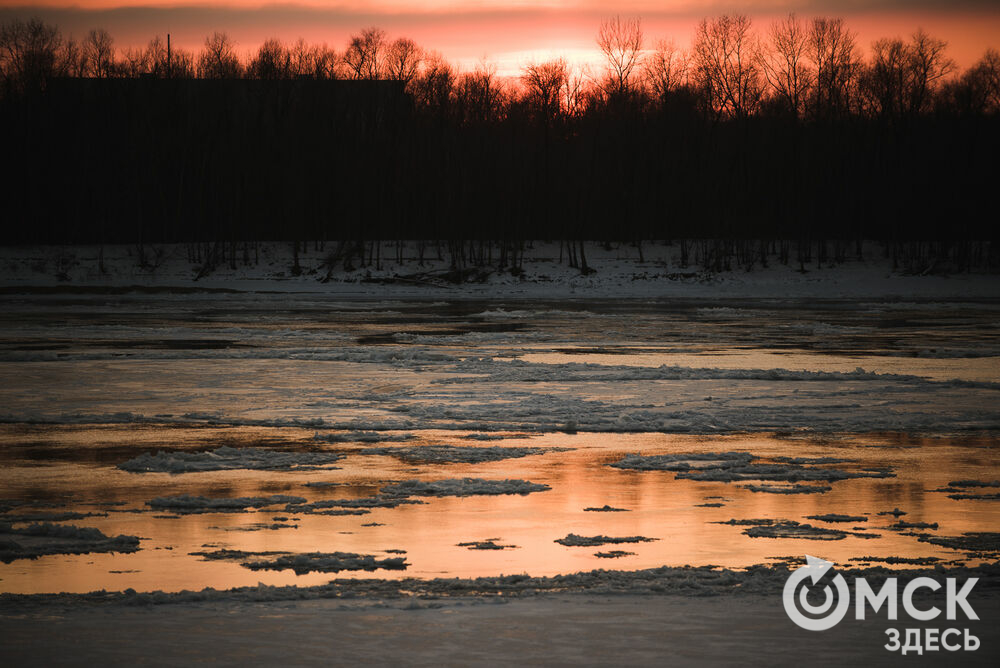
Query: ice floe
pixel 453 454
pixel 226 458
pixel 573 540
pixel 42 539
pixel 837 517
pixel 309 562
pixel 981 543
pixel 771 528
pixel 361 437
pixel 188 504
pixel 462 487
pixel 744 466
pixel 487 544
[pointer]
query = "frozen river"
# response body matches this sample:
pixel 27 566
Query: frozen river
pixel 725 433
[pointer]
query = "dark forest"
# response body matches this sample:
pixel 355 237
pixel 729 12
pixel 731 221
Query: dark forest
pixel 757 137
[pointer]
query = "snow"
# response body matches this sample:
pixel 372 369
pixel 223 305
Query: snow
pixel 618 273
pixel 227 458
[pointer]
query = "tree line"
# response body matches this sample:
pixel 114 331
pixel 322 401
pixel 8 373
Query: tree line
pixel 789 131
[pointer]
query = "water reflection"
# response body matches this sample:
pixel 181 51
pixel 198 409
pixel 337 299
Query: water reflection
pixel 73 467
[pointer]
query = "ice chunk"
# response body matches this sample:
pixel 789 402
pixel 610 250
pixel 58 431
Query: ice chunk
pixel 573 540
pixel 188 504
pixel 448 454
pixel 42 539
pixel 463 487
pixel 227 458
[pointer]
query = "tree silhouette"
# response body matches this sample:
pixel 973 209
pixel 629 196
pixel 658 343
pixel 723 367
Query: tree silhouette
pixel 272 61
pixel 218 58
pixel 99 54
pixel 544 83
pixel 835 63
pixel 620 40
pixel 364 54
pixel 666 69
pixel 785 64
pixel 402 60
pixel 727 65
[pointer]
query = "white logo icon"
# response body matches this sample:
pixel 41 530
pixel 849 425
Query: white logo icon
pixel 824 616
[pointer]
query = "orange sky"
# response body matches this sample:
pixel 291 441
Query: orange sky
pixel 509 33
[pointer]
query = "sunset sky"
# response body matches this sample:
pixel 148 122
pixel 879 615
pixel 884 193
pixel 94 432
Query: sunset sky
pixel 508 33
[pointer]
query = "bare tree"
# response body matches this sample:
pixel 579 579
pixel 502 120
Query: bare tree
pixel 835 63
pixel 218 59
pixel 927 67
pixel 727 65
pixel 577 91
pixel 666 68
pixel 903 78
pixel 433 86
pixel 326 63
pixel 884 81
pixel 177 64
pixel 180 66
pixel 544 83
pixel 977 91
pixel 364 54
pixel 134 62
pixel 69 60
pixel 620 40
pixel 402 60
pixel 99 53
pixel 272 61
pixel 29 53
pixel 785 63
pixel 303 60
pixel 481 94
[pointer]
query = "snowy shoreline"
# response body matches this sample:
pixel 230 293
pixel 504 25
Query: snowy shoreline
pixel 617 272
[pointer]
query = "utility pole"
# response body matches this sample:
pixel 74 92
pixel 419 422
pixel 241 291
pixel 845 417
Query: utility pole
pixel 170 71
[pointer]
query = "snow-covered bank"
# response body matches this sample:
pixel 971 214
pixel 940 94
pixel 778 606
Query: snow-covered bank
pixel 618 271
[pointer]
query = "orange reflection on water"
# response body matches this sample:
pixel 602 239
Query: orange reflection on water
pixel 74 467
